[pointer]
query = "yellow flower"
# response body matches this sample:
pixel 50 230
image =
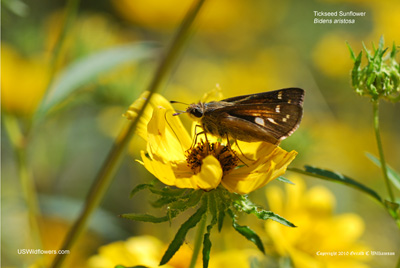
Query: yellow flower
pixel 174 161
pixel 319 230
pixel 148 250
pixel 162 15
pixel 23 81
pixel 141 250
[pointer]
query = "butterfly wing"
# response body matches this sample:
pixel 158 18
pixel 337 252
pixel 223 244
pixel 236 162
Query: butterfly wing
pixel 287 95
pixel 269 116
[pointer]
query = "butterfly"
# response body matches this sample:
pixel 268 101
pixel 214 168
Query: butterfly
pixel 269 116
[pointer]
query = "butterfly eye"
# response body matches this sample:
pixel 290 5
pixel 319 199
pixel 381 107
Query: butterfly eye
pixel 197 112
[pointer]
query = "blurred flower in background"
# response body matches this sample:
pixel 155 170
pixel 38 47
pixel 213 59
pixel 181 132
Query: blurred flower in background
pixel 24 80
pixel 318 228
pixel 148 250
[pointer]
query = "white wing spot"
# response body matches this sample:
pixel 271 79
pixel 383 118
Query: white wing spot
pixel 278 108
pixel 279 95
pixel 271 120
pixel 284 119
pixel 288 116
pixel 259 121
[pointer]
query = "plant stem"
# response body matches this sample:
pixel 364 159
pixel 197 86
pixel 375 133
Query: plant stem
pixel 105 175
pixel 18 142
pixel 198 240
pixel 380 148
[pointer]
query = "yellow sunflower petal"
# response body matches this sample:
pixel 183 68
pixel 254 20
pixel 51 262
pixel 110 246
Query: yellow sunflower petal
pixel 173 122
pixel 259 172
pixel 210 175
pixel 162 171
pixel 166 136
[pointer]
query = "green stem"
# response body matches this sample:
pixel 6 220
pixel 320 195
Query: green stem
pixel 71 12
pixel 198 240
pixel 105 175
pixel 18 142
pixel 380 148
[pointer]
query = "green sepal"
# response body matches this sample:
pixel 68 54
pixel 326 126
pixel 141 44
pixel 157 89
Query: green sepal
pixel 243 203
pixel 181 234
pixel 246 232
pixel 352 55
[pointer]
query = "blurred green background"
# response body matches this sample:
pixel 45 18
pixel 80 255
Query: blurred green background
pixel 243 46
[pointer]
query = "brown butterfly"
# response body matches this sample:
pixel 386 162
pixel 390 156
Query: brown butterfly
pixel 269 116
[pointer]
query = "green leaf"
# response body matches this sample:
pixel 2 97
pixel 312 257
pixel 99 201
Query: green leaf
pixel 212 206
pixel 336 177
pixel 140 187
pixel 283 179
pixel 149 218
pixel 392 174
pixel 244 204
pixel 88 68
pixel 247 232
pixel 191 200
pixel 169 191
pixel 181 234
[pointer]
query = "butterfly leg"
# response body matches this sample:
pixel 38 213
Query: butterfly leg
pixel 242 152
pixel 230 148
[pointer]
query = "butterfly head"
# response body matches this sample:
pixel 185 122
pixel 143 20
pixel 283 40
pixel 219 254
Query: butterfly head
pixel 196 111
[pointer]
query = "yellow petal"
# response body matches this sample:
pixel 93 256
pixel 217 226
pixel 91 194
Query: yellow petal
pixel 174 125
pixel 162 171
pixel 179 175
pixel 210 175
pixel 166 136
pixel 259 172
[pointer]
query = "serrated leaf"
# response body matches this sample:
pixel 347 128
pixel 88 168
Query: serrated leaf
pixel 188 201
pixel 168 191
pixel 247 232
pixel 283 179
pixel 88 68
pixel 394 177
pixel 181 234
pixel 336 177
pixel 164 200
pixel 140 187
pixel 244 204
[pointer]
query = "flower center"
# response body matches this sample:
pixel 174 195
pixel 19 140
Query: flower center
pixel 225 155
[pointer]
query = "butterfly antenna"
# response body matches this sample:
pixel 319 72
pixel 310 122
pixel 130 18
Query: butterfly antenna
pixel 172 102
pixel 179 112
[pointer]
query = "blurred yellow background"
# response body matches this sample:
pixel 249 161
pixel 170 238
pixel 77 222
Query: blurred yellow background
pixel 242 46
